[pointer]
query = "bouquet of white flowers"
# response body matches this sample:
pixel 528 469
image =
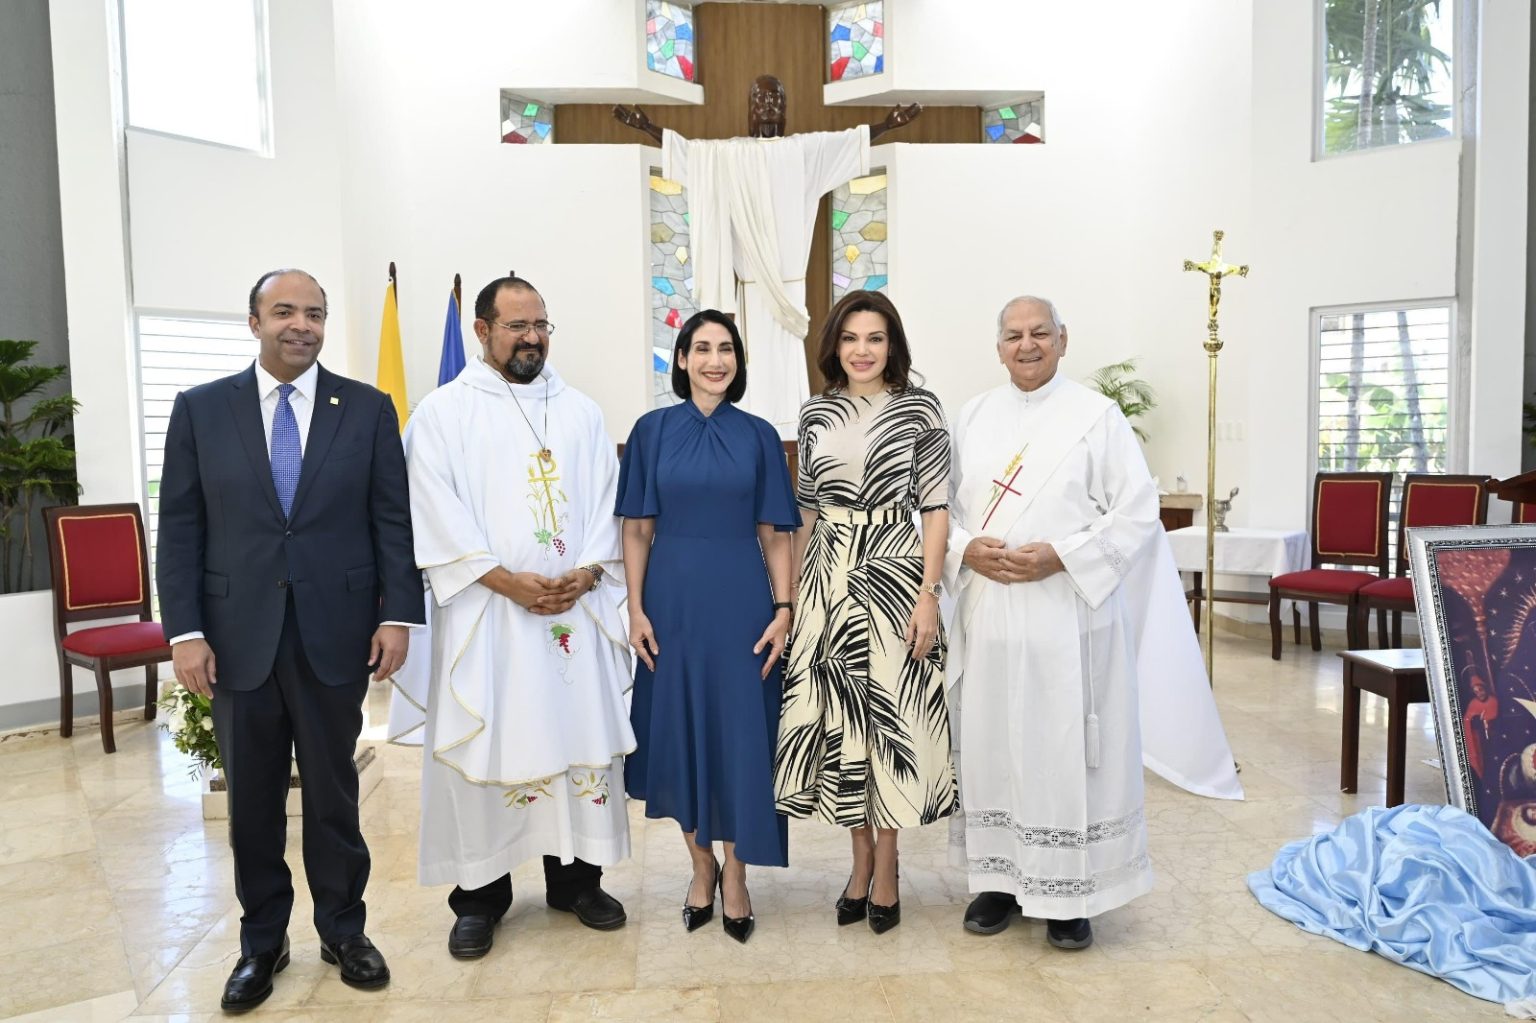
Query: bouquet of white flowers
pixel 189 719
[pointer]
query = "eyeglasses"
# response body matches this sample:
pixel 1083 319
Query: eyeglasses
pixel 522 328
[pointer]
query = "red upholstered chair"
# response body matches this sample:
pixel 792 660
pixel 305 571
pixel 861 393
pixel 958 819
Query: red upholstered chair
pixel 1349 527
pixel 101 570
pixel 1429 499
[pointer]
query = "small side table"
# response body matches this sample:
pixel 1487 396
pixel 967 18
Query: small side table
pixel 1398 677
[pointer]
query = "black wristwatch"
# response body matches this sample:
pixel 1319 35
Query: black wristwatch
pixel 783 605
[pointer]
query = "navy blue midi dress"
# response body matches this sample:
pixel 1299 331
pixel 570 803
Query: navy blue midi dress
pixel 706 723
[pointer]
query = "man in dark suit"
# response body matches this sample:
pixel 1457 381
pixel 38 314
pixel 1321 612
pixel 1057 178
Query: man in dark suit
pixel 286 572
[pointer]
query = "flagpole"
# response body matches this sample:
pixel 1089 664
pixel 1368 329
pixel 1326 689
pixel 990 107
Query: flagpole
pixel 458 291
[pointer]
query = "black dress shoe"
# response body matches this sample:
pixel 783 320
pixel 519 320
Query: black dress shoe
pixel 251 982
pixel 990 912
pixel 1069 934
pixel 738 927
pixel 883 918
pixel 695 917
pixel 472 935
pixel 361 964
pixel 594 908
pixel 851 911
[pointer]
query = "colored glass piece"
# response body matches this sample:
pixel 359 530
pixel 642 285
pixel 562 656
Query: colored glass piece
pixel 841 281
pixel 838 67
pixel 839 218
pixel 684 30
pixel 666 49
pixel 996 131
pixel 839 32
pixel 1006 113
pixel 867 186
pixel 658 364
pixel 666 186
pixel 880 64
pixel 513 137
pixel 543 129
pixel 860 51
pixel 682 255
pixel 531 110
pixel 687 66
pixel 674 319
pixel 874 231
pixel 663 285
pixel 852 252
pixel 877 282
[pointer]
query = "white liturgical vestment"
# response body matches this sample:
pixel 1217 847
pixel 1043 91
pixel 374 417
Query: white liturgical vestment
pixel 1045 674
pixel 752 207
pixel 522 716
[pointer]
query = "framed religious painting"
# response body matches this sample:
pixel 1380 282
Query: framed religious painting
pixel 1475 587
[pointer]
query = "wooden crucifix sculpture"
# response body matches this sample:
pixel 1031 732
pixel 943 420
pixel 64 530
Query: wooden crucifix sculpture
pixel 752 203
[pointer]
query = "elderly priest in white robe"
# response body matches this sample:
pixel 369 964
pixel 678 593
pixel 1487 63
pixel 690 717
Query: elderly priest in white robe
pixel 1054 525
pixel 513 481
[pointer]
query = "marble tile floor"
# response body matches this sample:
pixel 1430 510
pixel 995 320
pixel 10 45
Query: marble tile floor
pixel 116 902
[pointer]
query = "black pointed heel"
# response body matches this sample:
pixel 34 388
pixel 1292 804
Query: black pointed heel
pixel 738 927
pixel 851 911
pixel 695 917
pixel 883 918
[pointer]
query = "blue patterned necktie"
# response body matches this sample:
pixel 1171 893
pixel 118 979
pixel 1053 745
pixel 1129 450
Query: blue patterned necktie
pixel 287 457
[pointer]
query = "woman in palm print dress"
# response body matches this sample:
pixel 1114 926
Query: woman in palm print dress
pixel 864 731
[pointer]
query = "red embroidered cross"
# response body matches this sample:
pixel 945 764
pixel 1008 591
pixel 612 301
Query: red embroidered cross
pixel 1003 490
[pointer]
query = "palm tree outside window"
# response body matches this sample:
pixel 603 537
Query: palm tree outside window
pixel 1387 73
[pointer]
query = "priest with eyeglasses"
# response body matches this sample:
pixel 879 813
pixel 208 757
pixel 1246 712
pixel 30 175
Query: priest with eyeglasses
pixel 522 716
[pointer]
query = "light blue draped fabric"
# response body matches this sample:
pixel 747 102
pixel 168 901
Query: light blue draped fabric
pixel 1425 886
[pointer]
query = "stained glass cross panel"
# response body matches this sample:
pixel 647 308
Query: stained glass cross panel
pixel 855 40
pixel 671 282
pixel 526 121
pixel 669 39
pixel 859 236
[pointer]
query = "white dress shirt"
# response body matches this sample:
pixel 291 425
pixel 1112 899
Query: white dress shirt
pixel 302 401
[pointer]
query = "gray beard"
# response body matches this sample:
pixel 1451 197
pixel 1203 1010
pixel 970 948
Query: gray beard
pixel 524 368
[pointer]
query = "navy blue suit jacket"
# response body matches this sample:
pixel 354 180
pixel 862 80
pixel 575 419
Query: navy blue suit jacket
pixel 227 557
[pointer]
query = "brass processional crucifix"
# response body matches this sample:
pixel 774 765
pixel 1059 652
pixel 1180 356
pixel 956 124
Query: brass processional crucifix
pixel 1214 268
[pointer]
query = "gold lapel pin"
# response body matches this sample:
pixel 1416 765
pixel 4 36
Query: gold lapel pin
pixel 335 400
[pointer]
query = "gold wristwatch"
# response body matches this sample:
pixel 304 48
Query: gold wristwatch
pixel 935 590
pixel 597 575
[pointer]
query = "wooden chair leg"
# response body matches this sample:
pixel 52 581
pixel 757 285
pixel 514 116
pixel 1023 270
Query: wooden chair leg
pixel 1349 750
pixel 1274 624
pixel 1359 628
pixel 66 698
pixel 1397 630
pixel 1312 625
pixel 104 695
pixel 1381 627
pixel 1296 620
pixel 151 690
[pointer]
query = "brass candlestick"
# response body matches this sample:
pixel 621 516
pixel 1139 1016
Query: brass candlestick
pixel 1215 269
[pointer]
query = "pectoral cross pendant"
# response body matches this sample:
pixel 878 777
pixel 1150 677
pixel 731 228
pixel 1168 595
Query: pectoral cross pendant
pixel 545 454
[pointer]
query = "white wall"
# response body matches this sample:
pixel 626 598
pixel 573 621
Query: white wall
pixel 1132 179
pixel 205 222
pixel 429 185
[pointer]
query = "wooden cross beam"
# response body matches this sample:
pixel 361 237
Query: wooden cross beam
pixel 734 44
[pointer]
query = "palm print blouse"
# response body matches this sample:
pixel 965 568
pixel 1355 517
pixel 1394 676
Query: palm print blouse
pixel 875 452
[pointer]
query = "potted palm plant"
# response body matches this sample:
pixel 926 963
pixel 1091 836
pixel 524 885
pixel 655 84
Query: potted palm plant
pixel 37 457
pixel 1135 397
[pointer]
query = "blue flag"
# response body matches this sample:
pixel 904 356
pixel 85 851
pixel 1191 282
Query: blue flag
pixel 452 361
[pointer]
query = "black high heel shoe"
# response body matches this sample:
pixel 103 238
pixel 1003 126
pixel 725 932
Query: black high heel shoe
pixel 883 918
pixel 851 911
pixel 695 917
pixel 738 927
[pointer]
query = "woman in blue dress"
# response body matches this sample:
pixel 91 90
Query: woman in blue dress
pixel 708 509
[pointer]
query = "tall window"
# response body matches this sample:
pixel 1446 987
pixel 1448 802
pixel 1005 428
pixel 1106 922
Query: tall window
pixel 1386 72
pixel 1384 392
pixel 175 354
pixel 198 68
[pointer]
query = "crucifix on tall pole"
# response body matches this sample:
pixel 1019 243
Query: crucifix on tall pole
pixel 1215 268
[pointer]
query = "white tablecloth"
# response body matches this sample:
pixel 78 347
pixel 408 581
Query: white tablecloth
pixel 1265 552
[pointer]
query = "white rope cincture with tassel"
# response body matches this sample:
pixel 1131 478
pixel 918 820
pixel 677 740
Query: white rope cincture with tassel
pixel 1091 725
